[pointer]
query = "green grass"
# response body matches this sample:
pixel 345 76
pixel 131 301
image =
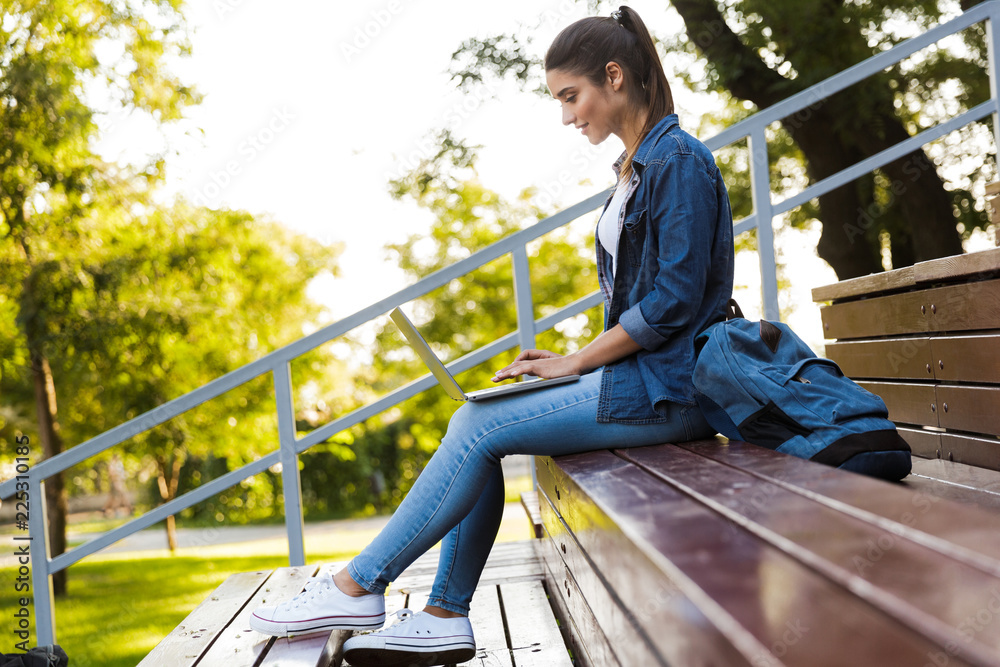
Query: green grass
pixel 119 606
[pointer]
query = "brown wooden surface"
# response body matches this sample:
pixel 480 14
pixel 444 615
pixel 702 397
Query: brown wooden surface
pixel 603 622
pixel 894 358
pixel 953 527
pixel 886 569
pixel 971 450
pixel 878 316
pixel 966 358
pixel 975 409
pixel 751 589
pixel 580 629
pixel 907 403
pixel 870 284
pixel 958 267
pixel 922 443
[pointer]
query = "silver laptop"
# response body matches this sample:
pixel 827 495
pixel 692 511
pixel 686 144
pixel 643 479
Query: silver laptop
pixel 448 381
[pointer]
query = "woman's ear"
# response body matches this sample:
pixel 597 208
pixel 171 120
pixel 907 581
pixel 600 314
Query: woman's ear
pixel 614 75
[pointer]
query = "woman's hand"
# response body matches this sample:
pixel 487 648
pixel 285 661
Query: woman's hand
pixel 541 363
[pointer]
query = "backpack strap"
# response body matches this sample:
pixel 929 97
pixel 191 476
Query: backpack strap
pixel 733 310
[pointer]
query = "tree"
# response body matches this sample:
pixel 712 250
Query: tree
pixel 762 51
pixel 51 60
pixel 476 309
pixel 144 309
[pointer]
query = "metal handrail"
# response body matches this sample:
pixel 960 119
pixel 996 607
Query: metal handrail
pixel 277 363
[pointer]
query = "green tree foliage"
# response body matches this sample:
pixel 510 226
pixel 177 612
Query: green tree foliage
pixel 755 53
pixel 55 57
pixel 470 312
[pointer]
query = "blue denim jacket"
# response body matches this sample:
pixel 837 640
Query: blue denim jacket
pixel 674 273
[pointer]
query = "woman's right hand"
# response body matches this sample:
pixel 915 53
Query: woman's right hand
pixel 527 355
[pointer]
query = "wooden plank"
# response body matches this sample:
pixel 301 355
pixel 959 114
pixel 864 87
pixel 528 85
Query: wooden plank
pixel 921 442
pixel 935 270
pixel 964 408
pixel 185 645
pixel 636 608
pixel 907 403
pixel 529 501
pixel 953 526
pixel 322 648
pixel 486 617
pixel 987 481
pixel 981 452
pixel 877 316
pixel 958 266
pixel 581 629
pixel 238 645
pixel 888 571
pixel 871 284
pixel 534 635
pixel 963 307
pixel 966 358
pixel 744 584
pixel 892 358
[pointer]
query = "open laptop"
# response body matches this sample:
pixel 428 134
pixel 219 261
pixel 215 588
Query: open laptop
pixel 447 380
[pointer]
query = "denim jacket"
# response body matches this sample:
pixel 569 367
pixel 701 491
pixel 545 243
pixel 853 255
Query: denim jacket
pixel 674 272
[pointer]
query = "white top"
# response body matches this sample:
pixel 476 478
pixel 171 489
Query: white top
pixel 607 227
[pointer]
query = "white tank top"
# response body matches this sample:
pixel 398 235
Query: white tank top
pixel 607 227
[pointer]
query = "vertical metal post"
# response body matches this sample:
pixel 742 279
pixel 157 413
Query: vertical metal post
pixel 993 51
pixel 41 582
pixel 525 315
pixel 292 487
pixel 522 298
pixel 761 190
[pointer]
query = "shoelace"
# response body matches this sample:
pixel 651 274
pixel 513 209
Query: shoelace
pixel 403 616
pixel 313 587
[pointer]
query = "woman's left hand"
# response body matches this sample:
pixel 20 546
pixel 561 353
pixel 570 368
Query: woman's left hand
pixel 541 363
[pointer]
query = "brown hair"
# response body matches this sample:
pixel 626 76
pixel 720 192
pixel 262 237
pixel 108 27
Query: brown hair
pixel 585 47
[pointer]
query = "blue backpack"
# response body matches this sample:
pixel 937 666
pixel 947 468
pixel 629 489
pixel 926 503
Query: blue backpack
pixel 760 383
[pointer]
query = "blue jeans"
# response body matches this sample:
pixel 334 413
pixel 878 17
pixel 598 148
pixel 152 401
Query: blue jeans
pixel 459 496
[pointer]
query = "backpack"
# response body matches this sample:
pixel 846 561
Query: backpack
pixel 760 383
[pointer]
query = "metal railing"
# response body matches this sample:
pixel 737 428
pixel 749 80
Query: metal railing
pixel 277 363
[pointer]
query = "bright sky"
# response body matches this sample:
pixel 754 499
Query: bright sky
pixel 310 110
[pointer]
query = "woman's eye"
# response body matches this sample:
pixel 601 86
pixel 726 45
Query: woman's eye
pixel 571 99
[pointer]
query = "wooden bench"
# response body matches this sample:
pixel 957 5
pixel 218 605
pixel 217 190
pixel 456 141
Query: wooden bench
pixel 926 338
pixel 715 553
pixel 511 617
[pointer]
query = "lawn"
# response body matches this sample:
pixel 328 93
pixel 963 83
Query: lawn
pixel 120 605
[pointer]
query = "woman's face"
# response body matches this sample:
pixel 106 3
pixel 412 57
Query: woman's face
pixel 596 112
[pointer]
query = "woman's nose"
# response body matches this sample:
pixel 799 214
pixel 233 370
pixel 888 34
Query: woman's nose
pixel 568 117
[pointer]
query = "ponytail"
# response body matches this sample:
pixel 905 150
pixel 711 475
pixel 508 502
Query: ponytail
pixel 586 46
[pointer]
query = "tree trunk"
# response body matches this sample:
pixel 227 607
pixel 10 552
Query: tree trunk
pixel 48 429
pixel 851 225
pixel 167 480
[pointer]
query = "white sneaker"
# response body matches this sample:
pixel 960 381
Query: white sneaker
pixel 320 607
pixel 416 640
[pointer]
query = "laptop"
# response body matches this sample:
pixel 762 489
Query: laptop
pixel 447 380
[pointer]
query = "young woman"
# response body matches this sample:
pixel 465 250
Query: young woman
pixel 665 264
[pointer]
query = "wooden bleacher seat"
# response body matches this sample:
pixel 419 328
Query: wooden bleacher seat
pixel 729 554
pixel 511 617
pixel 926 338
